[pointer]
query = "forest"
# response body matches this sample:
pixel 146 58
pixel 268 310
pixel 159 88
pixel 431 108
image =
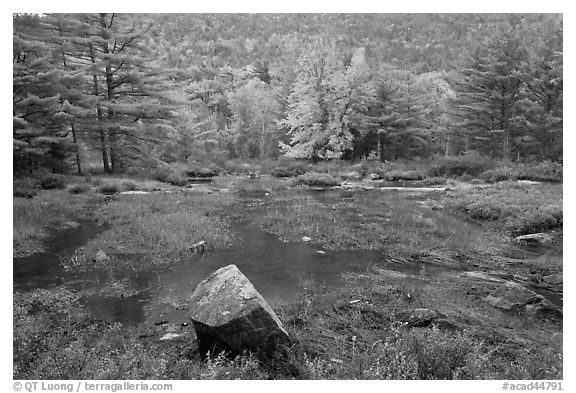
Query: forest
pixel 288 196
pixel 122 91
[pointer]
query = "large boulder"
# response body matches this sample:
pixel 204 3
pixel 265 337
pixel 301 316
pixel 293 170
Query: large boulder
pixel 230 315
pixel 512 296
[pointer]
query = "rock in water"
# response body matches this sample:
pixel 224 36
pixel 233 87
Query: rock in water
pixel 230 315
pixel 534 238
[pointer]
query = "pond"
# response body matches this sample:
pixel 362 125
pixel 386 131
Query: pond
pixel 279 270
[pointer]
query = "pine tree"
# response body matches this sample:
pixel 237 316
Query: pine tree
pixel 488 91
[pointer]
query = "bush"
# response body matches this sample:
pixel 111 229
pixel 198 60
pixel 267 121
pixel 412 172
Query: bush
pixel 78 188
pixel 317 180
pixel 292 171
pixel 52 181
pixel 177 180
pixel 129 185
pixel 497 175
pixel 469 164
pixel 196 171
pixel 25 188
pixel 108 189
pixel 395 175
pixel 546 171
pixel 434 181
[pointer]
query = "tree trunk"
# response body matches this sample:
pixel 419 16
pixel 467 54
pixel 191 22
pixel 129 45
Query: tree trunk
pixel 506 146
pixel 78 163
pixel 103 139
pixel 448 143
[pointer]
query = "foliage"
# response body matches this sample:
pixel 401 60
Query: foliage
pixel 315 179
pixel 78 188
pixel 52 181
pixel 469 164
pixel 24 188
pixel 109 189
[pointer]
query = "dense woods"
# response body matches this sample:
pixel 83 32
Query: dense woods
pixel 121 91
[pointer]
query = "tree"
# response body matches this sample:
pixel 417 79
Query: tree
pixel 543 90
pixel 255 111
pixel 488 92
pixel 130 88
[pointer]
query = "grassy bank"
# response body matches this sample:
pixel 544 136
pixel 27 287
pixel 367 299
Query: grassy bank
pixel 34 218
pixel 516 209
pixel 361 331
pixel 159 228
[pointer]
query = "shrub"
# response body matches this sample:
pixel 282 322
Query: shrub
pixel 52 181
pixel 108 189
pixel 470 164
pixel 395 175
pixel 497 175
pixel 177 180
pixel 25 188
pixel 78 188
pixel 197 171
pixel 292 171
pixel 546 171
pixel 317 180
pixel 434 181
pixel 129 185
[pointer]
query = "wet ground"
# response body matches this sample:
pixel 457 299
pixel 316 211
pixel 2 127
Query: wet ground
pixel 279 270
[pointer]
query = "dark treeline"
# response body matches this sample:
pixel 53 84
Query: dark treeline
pixel 136 90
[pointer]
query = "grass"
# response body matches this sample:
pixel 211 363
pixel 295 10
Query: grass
pixel 315 179
pixel 517 209
pixel 355 332
pixel 159 228
pixel 366 339
pixel 392 223
pixel 33 218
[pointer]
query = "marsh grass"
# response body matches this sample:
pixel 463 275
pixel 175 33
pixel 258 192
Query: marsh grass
pixel 159 228
pixel 33 218
pixel 517 209
pixel 337 339
pixel 353 332
pixel 370 221
pixel 315 179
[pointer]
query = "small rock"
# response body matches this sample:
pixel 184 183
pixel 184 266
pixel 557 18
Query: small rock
pixel 169 336
pixel 306 239
pixel 374 176
pixel 553 279
pixel 481 276
pixel 534 238
pixel 418 317
pixel 320 252
pixel 527 182
pixel 101 257
pixel 69 225
pixel 390 273
pixel 512 296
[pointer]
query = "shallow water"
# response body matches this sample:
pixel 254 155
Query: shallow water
pixel 278 270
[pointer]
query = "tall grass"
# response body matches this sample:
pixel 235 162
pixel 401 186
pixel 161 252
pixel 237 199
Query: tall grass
pixel 518 208
pixel 161 227
pixel 32 218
